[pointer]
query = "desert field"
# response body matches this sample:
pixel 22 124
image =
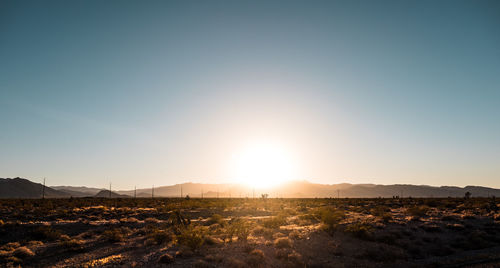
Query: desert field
pixel 246 232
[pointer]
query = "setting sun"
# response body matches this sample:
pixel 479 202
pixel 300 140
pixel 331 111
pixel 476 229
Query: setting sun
pixel 262 165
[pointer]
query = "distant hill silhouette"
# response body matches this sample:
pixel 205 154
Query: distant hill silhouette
pixel 78 191
pixel 304 189
pixel 105 193
pixel 22 188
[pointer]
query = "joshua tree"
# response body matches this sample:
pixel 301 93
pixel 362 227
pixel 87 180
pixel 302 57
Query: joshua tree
pixel 467 195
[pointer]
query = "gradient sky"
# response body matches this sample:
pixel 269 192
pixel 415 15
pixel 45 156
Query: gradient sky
pixel 163 92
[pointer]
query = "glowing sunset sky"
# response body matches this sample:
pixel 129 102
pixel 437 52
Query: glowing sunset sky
pixel 166 92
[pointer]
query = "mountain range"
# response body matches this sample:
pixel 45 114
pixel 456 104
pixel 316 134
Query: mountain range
pixel 23 188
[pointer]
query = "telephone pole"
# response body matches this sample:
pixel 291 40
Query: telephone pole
pixel 110 190
pixel 135 192
pixel 43 189
pixel 153 192
pixel 181 190
pixel 201 193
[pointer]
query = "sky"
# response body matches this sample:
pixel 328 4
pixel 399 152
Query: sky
pixel 164 92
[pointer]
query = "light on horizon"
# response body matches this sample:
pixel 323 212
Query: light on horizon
pixel 263 165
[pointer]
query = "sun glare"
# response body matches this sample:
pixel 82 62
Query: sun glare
pixel 263 165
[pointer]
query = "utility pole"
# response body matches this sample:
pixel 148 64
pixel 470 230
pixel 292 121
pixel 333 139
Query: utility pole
pixel 135 192
pixel 181 190
pixel 338 194
pixel 43 189
pixel 253 193
pixel 217 193
pixel 201 193
pixel 153 192
pixel 110 190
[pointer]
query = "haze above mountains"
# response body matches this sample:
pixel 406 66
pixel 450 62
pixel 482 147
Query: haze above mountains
pixel 23 188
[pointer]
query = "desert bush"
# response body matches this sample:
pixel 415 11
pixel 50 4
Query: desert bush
pixel 295 234
pixel 23 253
pixel 274 222
pixel 114 235
pixel 418 211
pixel 234 263
pixel 359 230
pixel 210 240
pixel 238 227
pixel 10 246
pixel 160 236
pixel 256 258
pixel 191 237
pixel 261 231
pixel 72 244
pixel 46 233
pixel 35 243
pixel 295 259
pixel 166 258
pixel 330 217
pixel 215 218
pixel 283 242
pixel 151 221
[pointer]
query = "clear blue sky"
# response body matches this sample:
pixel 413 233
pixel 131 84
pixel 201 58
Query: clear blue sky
pixel 162 92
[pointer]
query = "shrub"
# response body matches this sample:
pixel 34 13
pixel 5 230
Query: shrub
pixel 418 211
pixel 256 257
pixel 215 218
pixel 283 242
pixel 191 237
pixel 160 236
pixel 166 258
pixel 295 234
pixel 23 253
pixel 261 231
pixel 46 233
pixel 210 240
pixel 240 228
pixel 331 218
pixel 274 222
pixel 113 235
pixel 72 244
pixel 151 221
pixel 234 263
pixel 359 230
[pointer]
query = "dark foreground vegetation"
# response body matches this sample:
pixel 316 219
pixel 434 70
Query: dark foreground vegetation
pixel 409 232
